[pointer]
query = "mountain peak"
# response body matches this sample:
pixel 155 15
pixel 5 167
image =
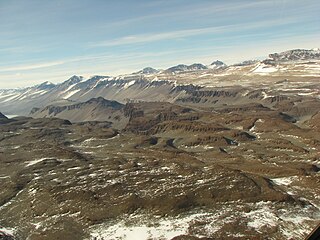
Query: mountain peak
pixel 183 67
pixel 197 66
pixel 217 65
pixel 74 79
pixel 45 85
pixel 148 70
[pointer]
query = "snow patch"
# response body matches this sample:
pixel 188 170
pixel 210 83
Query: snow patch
pixel 33 162
pixel 7 231
pixel 283 181
pixel 264 69
pixel 128 84
pixel 71 94
pixel 142 229
pixel 261 217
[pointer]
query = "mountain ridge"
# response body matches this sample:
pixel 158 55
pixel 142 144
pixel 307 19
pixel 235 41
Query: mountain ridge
pixel 163 85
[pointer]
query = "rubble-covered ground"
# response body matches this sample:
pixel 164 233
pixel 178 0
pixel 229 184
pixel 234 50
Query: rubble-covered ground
pixel 245 171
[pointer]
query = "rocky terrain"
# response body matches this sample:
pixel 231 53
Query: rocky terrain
pixel 231 155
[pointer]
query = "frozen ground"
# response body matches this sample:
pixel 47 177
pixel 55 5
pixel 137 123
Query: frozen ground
pixel 290 221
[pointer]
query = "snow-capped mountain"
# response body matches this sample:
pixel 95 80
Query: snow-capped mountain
pixel 76 89
pixel 169 85
pixel 217 65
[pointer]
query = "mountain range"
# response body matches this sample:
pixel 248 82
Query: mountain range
pixel 170 85
pixel 190 152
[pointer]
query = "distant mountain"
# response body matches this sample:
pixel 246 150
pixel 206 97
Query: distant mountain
pixel 76 89
pixel 217 65
pixel 197 66
pixel 46 85
pixel 294 55
pixel 184 68
pixel 73 80
pixel 178 68
pixel 246 63
pixel 96 109
pixel 147 70
pixel 150 84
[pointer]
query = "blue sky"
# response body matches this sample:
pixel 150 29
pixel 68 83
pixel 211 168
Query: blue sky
pixel 50 40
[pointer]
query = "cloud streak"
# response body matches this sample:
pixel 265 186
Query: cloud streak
pixel 107 37
pixel 31 66
pixel 152 37
pixel 202 10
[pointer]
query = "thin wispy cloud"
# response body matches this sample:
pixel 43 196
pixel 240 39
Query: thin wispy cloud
pixel 151 37
pixel 31 66
pixel 187 11
pixel 104 37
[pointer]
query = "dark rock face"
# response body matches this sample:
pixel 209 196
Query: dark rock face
pixel 183 68
pixel 2 116
pixel 178 68
pixel 106 103
pixel 197 66
pixel 4 119
pixel 147 70
pixel 217 63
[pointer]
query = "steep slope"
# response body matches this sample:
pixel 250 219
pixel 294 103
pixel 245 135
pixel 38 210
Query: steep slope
pixel 3 118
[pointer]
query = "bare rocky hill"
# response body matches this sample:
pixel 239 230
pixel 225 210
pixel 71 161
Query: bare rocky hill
pixel 95 109
pixel 242 171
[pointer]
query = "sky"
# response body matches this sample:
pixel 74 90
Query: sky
pixel 51 40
